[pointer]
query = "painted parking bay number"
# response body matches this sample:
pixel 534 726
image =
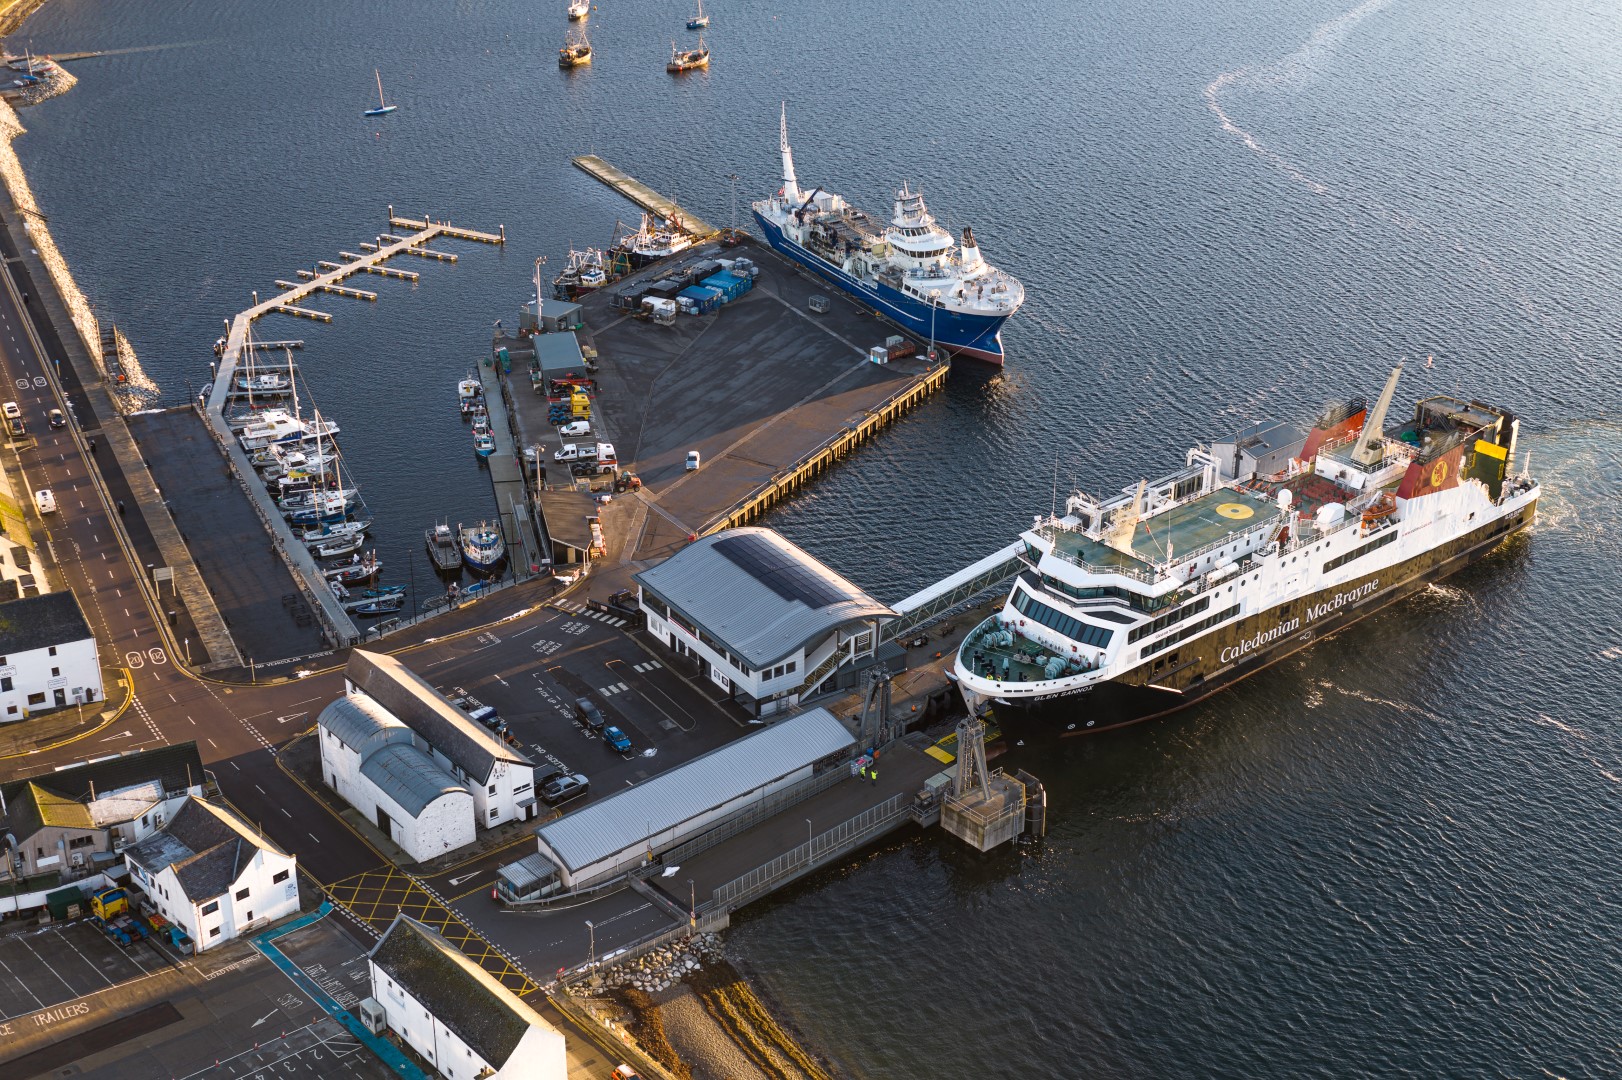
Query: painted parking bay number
pixel 139 659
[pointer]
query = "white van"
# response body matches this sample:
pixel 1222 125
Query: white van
pixel 45 501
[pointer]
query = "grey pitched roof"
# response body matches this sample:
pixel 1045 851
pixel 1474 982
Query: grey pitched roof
pixel 36 622
pixel 362 723
pixel 460 994
pixel 762 596
pixel 208 847
pixel 409 776
pixel 558 352
pixel 424 710
pixel 629 817
pixel 177 767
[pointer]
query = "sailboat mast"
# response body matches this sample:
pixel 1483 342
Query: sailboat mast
pixel 380 102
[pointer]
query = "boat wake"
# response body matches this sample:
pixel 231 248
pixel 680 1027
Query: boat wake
pixel 1293 70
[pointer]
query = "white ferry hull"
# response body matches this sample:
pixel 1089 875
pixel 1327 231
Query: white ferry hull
pixel 1240 649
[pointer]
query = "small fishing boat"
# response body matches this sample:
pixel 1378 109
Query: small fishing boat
pixel 688 59
pixel 579 9
pixel 385 590
pixel 699 21
pixel 576 51
pixel 482 546
pixel 271 382
pixel 334 531
pixel 481 423
pixel 584 273
pixel 470 395
pixel 383 107
pixel 339 499
pixel 361 569
pixel 338 590
pixel 375 605
pixel 484 444
pixel 338 546
pixel 442 546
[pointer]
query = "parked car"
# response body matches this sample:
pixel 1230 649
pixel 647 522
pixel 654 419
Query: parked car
pixel 16 425
pixel 545 775
pixel 56 418
pixel 587 712
pixel 11 410
pixel 565 788
pixel 692 461
pixel 617 739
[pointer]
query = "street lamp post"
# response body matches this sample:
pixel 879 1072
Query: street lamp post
pixel 592 929
pixel 808 838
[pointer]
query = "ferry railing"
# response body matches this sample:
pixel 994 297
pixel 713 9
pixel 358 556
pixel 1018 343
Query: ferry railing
pixel 848 834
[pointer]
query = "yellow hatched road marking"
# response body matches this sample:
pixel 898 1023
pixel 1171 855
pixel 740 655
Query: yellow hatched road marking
pixel 376 896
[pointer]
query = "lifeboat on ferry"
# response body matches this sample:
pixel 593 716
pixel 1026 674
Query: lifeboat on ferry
pixel 1376 513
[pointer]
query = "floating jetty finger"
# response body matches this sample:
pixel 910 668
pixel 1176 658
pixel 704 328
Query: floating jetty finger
pixel 327 264
pixel 296 344
pixel 304 313
pixel 389 271
pixel 447 229
pixel 286 284
pixel 342 290
pixel 306 274
pixel 425 253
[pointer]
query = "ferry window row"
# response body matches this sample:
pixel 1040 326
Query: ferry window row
pixel 1070 627
pixel 1095 592
pixel 1168 619
pixel 1187 632
pixel 1358 552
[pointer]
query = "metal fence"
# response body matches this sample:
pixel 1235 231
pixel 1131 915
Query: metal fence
pixel 842 837
pixel 768 807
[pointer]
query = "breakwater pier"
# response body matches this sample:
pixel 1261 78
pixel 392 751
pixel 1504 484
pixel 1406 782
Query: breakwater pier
pixel 643 195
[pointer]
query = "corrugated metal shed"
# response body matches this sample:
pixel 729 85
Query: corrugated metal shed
pixel 410 777
pixel 761 595
pixel 629 818
pixel 362 724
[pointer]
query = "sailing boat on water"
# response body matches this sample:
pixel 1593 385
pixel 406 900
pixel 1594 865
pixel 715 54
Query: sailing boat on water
pixel 383 107
pixel 699 21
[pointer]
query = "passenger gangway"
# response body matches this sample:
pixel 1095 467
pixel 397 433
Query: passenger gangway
pixel 958 590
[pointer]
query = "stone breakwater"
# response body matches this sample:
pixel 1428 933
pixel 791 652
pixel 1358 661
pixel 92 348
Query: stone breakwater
pixel 665 966
pixel 136 388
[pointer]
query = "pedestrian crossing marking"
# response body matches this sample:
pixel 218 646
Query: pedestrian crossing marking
pixel 647 667
pixel 613 688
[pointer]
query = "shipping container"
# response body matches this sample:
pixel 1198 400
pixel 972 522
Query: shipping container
pixel 701 298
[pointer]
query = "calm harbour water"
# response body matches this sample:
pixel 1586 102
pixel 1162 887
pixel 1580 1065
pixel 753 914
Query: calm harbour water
pixel 1391 856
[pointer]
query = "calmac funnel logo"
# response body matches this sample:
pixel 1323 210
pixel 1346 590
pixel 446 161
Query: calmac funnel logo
pixel 1439 474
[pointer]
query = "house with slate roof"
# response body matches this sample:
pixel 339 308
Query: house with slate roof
pixel 48 656
pixel 455 1014
pixel 421 769
pixel 762 618
pixel 72 819
pixel 210 874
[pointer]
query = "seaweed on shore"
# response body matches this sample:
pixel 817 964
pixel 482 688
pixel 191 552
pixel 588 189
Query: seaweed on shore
pixel 647 1027
pixel 730 1000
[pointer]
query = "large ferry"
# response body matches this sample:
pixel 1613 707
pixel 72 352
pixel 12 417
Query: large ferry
pixel 910 271
pixel 1262 543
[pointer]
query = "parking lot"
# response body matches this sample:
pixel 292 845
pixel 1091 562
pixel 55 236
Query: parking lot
pixel 46 966
pixel 533 669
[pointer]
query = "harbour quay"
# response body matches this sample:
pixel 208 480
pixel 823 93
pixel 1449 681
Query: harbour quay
pixel 771 389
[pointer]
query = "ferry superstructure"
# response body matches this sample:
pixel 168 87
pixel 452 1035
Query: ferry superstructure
pixel 909 270
pixel 1261 544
